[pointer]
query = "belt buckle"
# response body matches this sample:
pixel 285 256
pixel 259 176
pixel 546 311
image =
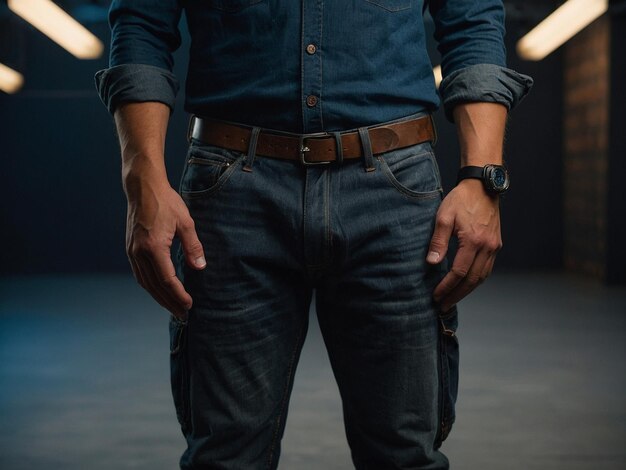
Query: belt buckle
pixel 304 149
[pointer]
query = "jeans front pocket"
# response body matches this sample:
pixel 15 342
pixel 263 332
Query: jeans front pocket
pixel 412 171
pixel 207 168
pixel 179 371
pixel 392 5
pixel 448 372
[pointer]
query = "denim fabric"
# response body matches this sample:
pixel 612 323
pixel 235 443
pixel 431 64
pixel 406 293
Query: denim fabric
pixel 369 63
pixel 484 82
pixel 274 235
pixel 136 83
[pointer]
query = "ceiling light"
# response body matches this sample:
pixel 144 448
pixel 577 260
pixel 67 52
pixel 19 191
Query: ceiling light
pixel 47 17
pixel 10 80
pixel 561 25
pixel 437 74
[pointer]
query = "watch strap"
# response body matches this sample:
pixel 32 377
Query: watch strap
pixel 470 172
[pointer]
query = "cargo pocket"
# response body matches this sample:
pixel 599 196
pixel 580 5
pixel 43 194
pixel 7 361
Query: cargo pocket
pixel 179 371
pixel 448 373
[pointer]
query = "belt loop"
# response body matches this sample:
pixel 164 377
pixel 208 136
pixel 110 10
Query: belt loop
pixel 339 147
pixel 367 149
pixel 190 127
pixel 254 137
pixel 435 136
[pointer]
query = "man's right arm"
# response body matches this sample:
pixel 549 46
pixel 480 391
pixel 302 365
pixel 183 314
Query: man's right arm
pixel 156 213
pixel 139 88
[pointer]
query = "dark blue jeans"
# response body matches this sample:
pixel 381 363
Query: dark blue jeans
pixel 358 239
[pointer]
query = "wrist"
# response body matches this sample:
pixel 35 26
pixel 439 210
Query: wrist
pixel 476 187
pixel 143 174
pixel 494 178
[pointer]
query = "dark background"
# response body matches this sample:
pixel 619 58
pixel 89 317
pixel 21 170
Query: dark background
pixel 84 356
pixel 63 209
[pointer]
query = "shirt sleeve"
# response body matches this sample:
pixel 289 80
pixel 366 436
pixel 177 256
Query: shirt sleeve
pixel 470 36
pixel 144 34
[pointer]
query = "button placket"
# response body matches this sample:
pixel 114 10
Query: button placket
pixel 311 79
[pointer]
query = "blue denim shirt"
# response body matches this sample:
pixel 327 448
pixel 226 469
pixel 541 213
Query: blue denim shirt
pixel 309 65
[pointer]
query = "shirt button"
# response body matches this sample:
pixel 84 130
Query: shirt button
pixel 311 49
pixel 311 100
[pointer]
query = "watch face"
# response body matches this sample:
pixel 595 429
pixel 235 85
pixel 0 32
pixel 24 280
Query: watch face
pixel 497 179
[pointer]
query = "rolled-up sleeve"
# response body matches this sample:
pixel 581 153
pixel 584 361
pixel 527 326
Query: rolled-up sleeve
pixel 144 34
pixel 470 36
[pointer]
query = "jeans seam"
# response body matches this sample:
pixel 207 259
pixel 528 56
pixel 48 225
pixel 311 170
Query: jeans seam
pixel 284 398
pixel 445 419
pixel 442 391
pixel 179 353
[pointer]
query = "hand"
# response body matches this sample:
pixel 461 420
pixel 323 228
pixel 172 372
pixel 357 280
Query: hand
pixel 473 216
pixel 156 213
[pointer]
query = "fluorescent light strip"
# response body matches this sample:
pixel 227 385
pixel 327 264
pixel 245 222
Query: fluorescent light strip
pixel 561 25
pixel 10 80
pixel 47 17
pixel 437 74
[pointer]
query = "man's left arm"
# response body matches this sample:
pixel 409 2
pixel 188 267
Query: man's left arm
pixel 469 211
pixel 477 92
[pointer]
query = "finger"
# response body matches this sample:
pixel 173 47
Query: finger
pixel 154 287
pixel 192 248
pixel 475 276
pixel 460 267
pixel 488 267
pixel 136 272
pixel 146 282
pixel 170 285
pixel 440 239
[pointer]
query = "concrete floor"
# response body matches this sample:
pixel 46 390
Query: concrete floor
pixel 84 380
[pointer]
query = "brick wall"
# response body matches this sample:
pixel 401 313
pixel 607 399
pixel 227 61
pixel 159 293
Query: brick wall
pixel 586 149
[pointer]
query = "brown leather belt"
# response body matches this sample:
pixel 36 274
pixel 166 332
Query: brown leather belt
pixel 312 149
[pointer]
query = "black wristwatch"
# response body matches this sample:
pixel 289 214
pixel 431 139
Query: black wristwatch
pixel 494 177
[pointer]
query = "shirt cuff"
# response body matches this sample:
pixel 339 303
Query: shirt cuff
pixel 136 83
pixel 484 82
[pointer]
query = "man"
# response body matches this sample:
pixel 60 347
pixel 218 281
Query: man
pixel 311 168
